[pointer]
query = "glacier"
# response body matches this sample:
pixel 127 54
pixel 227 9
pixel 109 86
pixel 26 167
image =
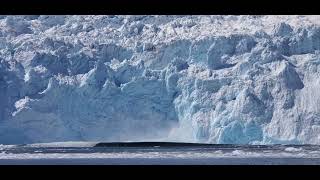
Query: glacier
pixel 209 79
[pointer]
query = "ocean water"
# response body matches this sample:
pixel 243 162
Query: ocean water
pixel 158 153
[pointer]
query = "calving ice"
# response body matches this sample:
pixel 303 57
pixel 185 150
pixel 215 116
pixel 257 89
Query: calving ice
pixel 207 79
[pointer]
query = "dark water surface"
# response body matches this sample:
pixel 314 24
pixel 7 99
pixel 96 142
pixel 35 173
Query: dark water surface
pixel 155 153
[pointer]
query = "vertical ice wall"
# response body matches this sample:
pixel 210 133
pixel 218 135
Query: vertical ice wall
pixel 216 79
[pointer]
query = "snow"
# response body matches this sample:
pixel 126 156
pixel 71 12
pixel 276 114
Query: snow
pixel 213 79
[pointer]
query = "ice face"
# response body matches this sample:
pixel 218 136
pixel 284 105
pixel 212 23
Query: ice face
pixel 213 79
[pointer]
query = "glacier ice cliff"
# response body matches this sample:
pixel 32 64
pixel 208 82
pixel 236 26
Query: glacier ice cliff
pixel 212 79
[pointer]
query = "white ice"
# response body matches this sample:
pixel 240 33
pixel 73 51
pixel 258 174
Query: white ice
pixel 214 79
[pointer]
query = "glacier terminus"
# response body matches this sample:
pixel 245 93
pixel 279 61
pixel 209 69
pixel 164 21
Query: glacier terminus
pixel 205 79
